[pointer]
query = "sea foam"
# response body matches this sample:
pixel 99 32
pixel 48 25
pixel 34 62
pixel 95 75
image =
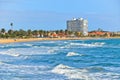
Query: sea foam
pixel 10 53
pixel 23 69
pixel 96 44
pixel 70 72
pixel 84 73
pixel 73 54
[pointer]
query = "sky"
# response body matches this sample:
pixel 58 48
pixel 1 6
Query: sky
pixel 53 14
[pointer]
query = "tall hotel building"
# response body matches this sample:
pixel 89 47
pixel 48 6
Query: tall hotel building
pixel 78 25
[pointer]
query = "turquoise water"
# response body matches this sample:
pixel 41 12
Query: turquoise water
pixel 61 60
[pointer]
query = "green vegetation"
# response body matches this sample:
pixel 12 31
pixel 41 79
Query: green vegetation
pixel 28 33
pixel 56 33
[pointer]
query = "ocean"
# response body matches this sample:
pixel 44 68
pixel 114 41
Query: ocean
pixel 97 59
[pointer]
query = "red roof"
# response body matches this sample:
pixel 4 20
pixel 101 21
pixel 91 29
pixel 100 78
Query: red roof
pixel 97 33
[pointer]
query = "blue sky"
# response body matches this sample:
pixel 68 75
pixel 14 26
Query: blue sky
pixel 52 14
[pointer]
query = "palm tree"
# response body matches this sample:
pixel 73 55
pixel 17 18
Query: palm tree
pixel 41 32
pixel 61 31
pixel 2 30
pixel 22 33
pixel 29 33
pixel 66 32
pixel 2 35
pixel 10 31
pixel 11 24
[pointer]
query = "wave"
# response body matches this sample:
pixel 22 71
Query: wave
pixel 10 53
pixel 96 69
pixel 96 44
pixel 30 51
pixel 66 46
pixel 1 46
pixel 113 69
pixel 22 69
pixel 46 42
pixel 29 45
pixel 1 62
pixel 85 73
pixel 73 54
pixel 51 51
pixel 70 72
pixel 65 42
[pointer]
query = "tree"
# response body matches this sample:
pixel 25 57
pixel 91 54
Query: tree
pixel 99 29
pixel 29 33
pixel 70 32
pixel 23 32
pixel 35 32
pixel 78 34
pixel 11 24
pixel 57 31
pixel 66 32
pixel 7 35
pixel 10 31
pixel 2 30
pixel 61 31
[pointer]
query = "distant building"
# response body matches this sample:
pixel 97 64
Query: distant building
pixel 79 25
pixel 117 33
pixel 99 33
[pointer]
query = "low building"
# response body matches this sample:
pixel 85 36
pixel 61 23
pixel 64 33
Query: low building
pixel 53 35
pixel 116 33
pixel 99 33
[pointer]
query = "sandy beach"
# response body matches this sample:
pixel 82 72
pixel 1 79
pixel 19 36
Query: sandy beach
pixel 4 41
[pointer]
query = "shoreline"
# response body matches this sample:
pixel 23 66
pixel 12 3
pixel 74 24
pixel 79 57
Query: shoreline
pixel 6 41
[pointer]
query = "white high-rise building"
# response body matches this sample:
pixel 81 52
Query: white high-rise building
pixel 78 25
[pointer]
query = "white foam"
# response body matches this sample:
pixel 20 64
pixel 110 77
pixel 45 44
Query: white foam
pixel 24 69
pixel 114 69
pixel 70 72
pixel 10 53
pixel 84 74
pixel 51 51
pixel 16 54
pixel 73 54
pixel 2 46
pixel 28 51
pixel 28 44
pixel 1 62
pixel 96 44
pixel 65 42
pixel 47 42
pixel 66 46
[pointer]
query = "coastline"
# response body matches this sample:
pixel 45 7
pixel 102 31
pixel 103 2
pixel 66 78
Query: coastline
pixel 6 41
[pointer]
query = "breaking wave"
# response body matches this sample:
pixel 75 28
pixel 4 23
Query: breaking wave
pixel 96 44
pixel 10 53
pixel 85 74
pixel 73 54
pixel 29 51
pixel 71 72
pixel 22 69
pixel 29 45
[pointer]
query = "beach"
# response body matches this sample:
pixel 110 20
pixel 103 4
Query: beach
pixel 4 41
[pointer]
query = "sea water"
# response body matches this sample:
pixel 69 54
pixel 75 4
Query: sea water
pixel 61 60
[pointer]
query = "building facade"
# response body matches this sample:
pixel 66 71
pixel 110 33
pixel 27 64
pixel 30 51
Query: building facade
pixel 78 25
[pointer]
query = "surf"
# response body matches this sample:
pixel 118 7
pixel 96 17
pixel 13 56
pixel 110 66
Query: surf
pixel 96 44
pixel 69 54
